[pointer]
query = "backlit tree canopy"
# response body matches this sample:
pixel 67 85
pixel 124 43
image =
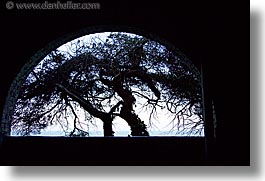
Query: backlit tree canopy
pixel 118 76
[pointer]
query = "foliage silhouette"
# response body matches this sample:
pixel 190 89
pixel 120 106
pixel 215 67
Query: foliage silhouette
pixel 108 78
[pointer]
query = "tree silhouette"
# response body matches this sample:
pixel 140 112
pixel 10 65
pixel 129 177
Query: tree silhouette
pixel 109 78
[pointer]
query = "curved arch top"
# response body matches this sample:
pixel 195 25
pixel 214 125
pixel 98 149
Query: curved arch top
pixel 13 92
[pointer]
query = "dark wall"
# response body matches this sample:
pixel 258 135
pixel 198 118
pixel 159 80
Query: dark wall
pixel 212 33
pixel 103 151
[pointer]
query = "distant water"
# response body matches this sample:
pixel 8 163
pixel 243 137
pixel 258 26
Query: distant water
pixel 117 133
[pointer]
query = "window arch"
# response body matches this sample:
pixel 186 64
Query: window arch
pixel 41 54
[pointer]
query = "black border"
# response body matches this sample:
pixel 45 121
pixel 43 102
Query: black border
pixel 216 32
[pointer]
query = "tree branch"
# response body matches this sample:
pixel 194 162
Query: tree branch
pixel 112 110
pixel 85 104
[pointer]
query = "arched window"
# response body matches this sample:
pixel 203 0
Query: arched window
pixel 95 82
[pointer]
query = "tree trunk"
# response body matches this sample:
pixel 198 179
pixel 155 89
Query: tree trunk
pixel 107 127
pixel 138 127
